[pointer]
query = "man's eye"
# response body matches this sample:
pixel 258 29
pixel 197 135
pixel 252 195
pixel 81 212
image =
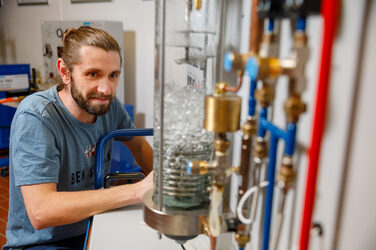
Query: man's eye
pixel 113 76
pixel 93 74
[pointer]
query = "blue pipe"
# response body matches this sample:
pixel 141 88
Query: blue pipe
pixel 290 139
pixel 251 69
pixel 263 118
pixel 252 99
pixel 269 191
pixel 268 126
pixel 271 25
pixel 100 146
pixel 301 24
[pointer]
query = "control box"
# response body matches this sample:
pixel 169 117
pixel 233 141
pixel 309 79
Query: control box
pixel 52 32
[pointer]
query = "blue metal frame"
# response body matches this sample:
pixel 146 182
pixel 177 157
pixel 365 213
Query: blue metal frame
pixel 100 146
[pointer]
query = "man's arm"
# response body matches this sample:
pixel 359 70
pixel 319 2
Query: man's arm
pixel 142 152
pixel 46 207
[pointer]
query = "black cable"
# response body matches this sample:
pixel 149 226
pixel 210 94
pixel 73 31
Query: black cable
pixel 182 246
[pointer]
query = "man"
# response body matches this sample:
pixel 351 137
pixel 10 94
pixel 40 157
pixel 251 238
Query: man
pixel 52 148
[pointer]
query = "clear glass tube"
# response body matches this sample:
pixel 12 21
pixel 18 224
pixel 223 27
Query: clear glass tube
pixel 186 60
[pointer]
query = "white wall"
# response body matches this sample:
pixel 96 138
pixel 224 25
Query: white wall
pixel 20 41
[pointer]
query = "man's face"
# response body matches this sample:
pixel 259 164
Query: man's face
pixel 94 79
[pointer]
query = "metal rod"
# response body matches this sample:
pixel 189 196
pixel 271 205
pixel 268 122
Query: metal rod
pixel 280 217
pixel 161 100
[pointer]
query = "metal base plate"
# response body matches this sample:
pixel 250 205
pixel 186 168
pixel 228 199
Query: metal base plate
pixel 173 222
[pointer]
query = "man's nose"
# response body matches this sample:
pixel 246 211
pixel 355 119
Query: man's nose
pixel 104 87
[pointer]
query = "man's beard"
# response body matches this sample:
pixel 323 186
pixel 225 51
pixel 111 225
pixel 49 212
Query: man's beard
pixel 84 102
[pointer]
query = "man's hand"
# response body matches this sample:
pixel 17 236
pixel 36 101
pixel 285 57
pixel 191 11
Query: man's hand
pixel 145 185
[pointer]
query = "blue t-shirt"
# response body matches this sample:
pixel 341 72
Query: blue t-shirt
pixel 47 144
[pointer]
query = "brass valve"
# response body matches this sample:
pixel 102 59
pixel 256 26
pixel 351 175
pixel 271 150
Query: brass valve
pixel 250 127
pixel 287 173
pixel 221 145
pixel 242 240
pixel 294 107
pixel 260 150
pixel 264 96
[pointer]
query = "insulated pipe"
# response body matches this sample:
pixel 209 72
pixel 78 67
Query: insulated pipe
pixel 330 13
pixel 103 140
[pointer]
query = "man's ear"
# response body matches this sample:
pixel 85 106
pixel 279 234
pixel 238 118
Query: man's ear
pixel 63 71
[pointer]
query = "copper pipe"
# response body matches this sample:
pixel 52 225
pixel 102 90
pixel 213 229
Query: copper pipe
pixel 256 29
pixel 244 163
pixel 213 242
pixel 239 85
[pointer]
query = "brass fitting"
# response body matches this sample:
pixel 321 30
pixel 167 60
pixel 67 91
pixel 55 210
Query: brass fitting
pixel 264 96
pixel 239 60
pixel 221 145
pixel 294 107
pixel 200 167
pixel 242 240
pixel 198 4
pixel 260 150
pixel 269 67
pixel 250 127
pixel 219 187
pixel 287 173
pixel 220 88
pixel 300 39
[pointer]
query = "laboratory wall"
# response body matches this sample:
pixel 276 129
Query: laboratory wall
pixel 345 200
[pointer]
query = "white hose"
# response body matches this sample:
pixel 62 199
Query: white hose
pixel 214 221
pixel 239 209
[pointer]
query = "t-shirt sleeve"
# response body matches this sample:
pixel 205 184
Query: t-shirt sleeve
pixel 33 151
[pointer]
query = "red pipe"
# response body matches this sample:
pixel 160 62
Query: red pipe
pixel 329 10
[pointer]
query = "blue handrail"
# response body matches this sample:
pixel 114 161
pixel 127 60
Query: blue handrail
pixel 104 139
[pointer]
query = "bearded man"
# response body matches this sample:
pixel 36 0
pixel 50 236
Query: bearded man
pixel 52 148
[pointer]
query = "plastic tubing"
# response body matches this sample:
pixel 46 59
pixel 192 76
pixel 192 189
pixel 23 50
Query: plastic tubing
pixel 103 140
pixel 239 209
pixel 329 11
